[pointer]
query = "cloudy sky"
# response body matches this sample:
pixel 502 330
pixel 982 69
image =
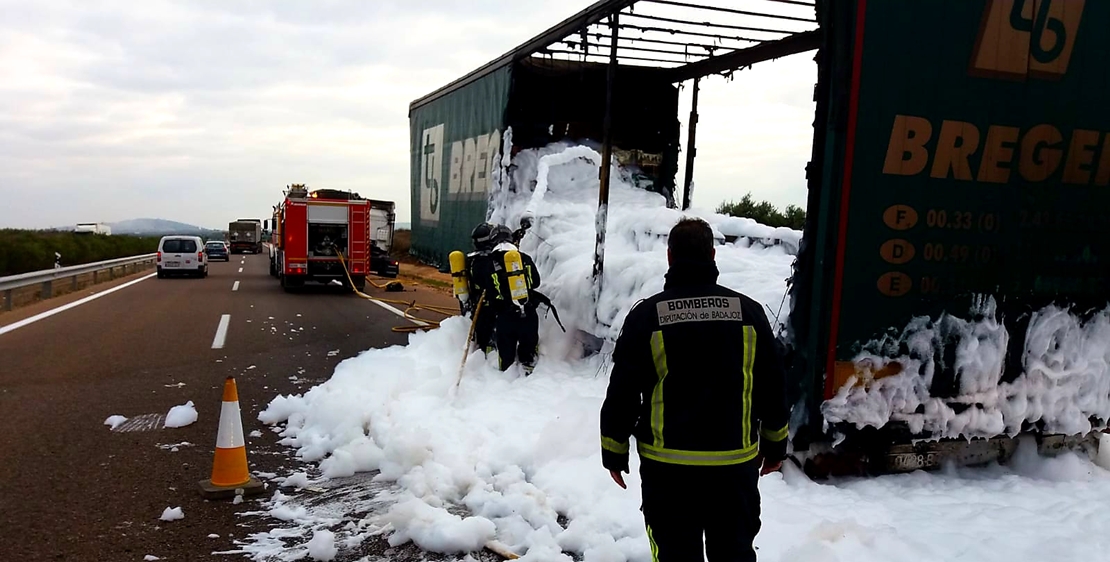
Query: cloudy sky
pixel 202 111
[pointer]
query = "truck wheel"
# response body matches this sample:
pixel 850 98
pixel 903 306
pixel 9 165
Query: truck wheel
pixel 360 284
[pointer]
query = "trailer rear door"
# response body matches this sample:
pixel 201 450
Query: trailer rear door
pixel 296 233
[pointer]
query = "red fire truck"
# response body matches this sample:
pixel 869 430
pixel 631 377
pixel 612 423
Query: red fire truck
pixel 309 232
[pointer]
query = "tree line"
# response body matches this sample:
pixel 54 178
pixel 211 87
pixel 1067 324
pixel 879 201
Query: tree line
pixel 22 251
pixel 764 212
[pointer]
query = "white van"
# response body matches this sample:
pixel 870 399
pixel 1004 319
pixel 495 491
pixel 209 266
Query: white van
pixel 182 254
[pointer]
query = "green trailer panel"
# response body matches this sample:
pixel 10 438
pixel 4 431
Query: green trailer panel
pixel 972 157
pixel 455 150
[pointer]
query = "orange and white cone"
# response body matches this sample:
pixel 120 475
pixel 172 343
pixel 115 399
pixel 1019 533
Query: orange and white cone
pixel 229 467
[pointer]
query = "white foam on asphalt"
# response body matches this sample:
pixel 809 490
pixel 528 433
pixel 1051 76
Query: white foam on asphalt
pixel 17 325
pixel 221 332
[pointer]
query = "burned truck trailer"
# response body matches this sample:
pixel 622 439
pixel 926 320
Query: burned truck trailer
pixel 459 140
pixel 952 288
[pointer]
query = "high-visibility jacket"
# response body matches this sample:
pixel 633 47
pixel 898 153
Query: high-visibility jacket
pixel 698 378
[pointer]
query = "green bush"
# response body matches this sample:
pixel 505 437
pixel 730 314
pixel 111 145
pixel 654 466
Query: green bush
pixel 764 212
pixel 33 250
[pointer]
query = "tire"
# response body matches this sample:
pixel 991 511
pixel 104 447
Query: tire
pixel 360 284
pixel 161 274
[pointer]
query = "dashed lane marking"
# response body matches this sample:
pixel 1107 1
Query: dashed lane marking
pixel 240 270
pixel 221 332
pixel 235 287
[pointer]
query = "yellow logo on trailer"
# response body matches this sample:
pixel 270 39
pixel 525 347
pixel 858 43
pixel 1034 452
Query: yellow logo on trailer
pixel 1026 38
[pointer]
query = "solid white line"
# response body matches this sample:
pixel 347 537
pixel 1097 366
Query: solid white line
pixel 221 332
pixel 53 311
pixel 240 270
pixel 235 287
pixel 398 312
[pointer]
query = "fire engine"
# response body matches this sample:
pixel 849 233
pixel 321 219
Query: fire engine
pixel 311 229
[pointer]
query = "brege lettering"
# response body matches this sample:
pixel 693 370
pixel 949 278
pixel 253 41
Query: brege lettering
pixel 961 151
pixel 701 309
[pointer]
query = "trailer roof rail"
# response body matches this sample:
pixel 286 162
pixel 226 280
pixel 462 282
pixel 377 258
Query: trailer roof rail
pixel 708 37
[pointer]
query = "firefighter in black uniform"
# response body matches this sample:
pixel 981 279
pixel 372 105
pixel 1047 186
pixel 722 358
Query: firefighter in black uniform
pixel 698 380
pixel 517 323
pixel 480 267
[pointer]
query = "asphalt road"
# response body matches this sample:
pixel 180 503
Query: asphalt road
pixel 72 489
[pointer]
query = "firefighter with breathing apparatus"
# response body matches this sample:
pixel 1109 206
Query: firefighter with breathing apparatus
pixel 465 270
pixel 513 286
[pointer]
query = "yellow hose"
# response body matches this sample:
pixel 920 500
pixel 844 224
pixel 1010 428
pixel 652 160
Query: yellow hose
pixel 409 306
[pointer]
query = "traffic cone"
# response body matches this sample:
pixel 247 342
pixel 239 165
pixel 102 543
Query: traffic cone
pixel 229 467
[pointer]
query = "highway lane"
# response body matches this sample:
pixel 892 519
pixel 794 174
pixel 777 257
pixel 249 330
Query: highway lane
pixel 74 490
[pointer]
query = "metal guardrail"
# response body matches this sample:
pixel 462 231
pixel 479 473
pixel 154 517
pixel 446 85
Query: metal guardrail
pixel 48 277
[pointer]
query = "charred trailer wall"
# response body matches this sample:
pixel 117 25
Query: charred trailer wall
pixel 560 100
pixel 456 138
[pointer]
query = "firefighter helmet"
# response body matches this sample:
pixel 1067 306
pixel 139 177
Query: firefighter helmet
pixel 482 236
pixel 502 233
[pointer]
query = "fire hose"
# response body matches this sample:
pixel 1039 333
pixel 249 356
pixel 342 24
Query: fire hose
pixel 410 306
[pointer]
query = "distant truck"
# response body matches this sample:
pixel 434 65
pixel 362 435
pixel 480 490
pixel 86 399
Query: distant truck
pixel 93 228
pixel 311 230
pixel 245 235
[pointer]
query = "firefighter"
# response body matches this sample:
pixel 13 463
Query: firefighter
pixel 513 286
pixel 480 270
pixel 698 380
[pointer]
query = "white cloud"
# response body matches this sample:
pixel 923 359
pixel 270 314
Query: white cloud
pixel 201 112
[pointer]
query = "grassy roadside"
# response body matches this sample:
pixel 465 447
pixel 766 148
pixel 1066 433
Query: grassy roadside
pixel 413 270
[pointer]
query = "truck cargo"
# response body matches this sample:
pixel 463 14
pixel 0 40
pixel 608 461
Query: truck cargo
pixel 312 229
pixel 245 236
pixel 952 283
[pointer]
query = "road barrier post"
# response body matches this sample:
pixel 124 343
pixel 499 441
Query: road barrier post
pixel 48 289
pixel 8 298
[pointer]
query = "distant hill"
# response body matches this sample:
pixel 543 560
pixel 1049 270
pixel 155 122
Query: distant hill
pixel 157 226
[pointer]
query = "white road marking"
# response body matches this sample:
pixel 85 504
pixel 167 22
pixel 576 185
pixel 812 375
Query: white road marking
pixel 398 312
pixel 221 332
pixel 145 422
pixel 240 270
pixel 63 308
pixel 235 287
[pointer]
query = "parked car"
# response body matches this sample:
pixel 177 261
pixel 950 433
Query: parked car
pixel 182 255
pixel 217 250
pixel 381 263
